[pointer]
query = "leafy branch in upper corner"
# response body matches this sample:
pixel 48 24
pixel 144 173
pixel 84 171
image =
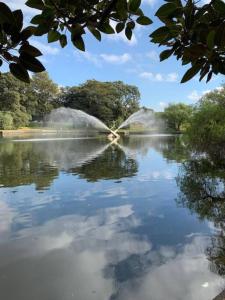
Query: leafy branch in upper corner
pixel 56 18
pixel 194 34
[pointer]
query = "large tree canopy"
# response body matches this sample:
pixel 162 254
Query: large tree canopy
pixel 195 34
pixel 108 101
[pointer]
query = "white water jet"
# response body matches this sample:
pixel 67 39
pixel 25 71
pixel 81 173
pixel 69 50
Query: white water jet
pixel 67 118
pixel 144 117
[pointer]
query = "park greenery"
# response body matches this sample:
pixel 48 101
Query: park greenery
pixel 192 31
pixel 23 104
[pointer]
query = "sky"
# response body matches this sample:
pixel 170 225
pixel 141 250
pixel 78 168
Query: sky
pixel 134 62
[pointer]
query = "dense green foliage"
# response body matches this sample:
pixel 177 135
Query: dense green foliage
pixel 26 102
pixel 6 120
pixel 111 102
pixel 193 33
pixel 177 116
pixel 207 127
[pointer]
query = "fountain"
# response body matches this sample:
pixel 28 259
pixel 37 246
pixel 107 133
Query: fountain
pixel 66 118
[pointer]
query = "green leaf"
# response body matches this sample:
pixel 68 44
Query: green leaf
pixel 209 76
pixel 38 4
pixel 63 40
pixel 31 50
pixel 128 33
pixel 165 54
pixel 120 27
pixel 18 17
pixel 31 63
pixel 27 33
pixel 53 36
pixel 191 73
pixel 143 20
pixel 95 33
pixel 160 34
pixel 37 19
pixel 19 72
pixel 166 9
pixel 219 6
pixel 210 39
pixel 106 28
pixel 79 43
pixel 6 16
pixel 134 5
pixel 121 7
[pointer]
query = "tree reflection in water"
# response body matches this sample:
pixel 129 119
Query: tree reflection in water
pixel 202 189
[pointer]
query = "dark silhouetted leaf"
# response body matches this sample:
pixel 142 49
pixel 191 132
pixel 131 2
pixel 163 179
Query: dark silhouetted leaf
pixel 134 5
pixel 31 63
pixel 120 27
pixel 19 72
pixel 5 14
pixel 18 17
pixel 143 20
pixel 128 33
pixel 53 36
pixel 166 9
pixel 165 54
pixel 191 73
pixel 79 43
pixel 95 33
pixel 31 50
pixel 210 39
pixel 63 40
pixel 38 4
pixel 106 28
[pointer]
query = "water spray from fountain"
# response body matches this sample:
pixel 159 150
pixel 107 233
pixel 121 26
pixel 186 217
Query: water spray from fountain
pixel 67 118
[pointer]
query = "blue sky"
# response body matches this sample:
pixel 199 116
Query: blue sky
pixel 115 58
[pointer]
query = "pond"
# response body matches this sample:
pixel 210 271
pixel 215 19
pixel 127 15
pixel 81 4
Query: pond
pixel 88 219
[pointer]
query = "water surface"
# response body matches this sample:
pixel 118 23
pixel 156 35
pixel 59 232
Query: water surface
pixel 85 219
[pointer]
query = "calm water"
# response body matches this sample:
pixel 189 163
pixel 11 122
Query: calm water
pixel 82 219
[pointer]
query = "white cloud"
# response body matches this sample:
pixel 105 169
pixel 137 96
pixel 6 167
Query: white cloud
pixel 45 49
pixel 153 55
pixel 91 57
pixel 194 96
pixel 171 77
pixel 163 105
pixel 150 2
pixel 117 59
pixel 98 59
pixel 121 37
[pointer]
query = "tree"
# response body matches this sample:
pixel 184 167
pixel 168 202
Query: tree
pixel 108 101
pixel 41 94
pixel 193 33
pixel 24 101
pixel 13 99
pixel 207 126
pixel 6 120
pixel 176 116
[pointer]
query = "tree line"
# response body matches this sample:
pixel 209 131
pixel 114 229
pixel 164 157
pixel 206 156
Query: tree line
pixel 24 104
